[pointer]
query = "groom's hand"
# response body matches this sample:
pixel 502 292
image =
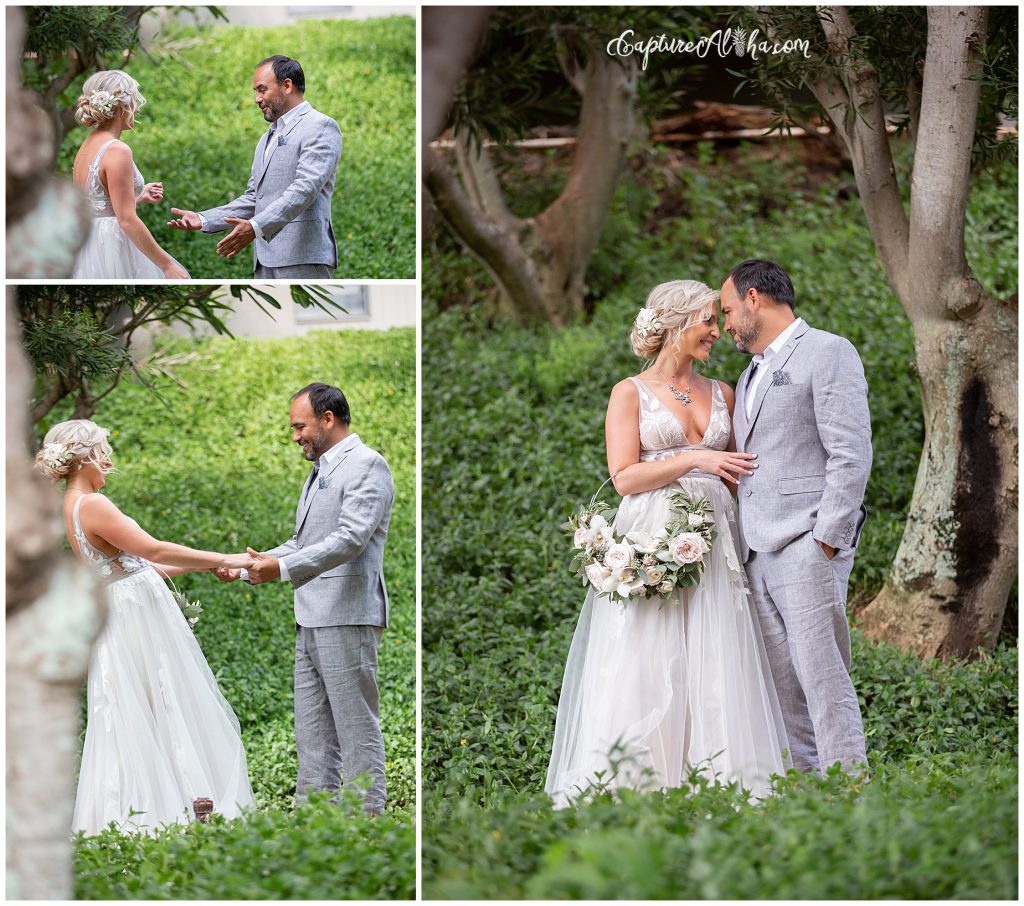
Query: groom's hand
pixel 264 569
pixel 237 239
pixel 186 220
pixel 830 552
pixel 227 575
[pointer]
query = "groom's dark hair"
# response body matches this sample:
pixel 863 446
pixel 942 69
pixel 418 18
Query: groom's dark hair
pixel 325 398
pixel 286 68
pixel 766 277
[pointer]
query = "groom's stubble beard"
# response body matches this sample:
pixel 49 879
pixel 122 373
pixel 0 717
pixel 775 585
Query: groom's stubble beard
pixel 745 334
pixel 317 446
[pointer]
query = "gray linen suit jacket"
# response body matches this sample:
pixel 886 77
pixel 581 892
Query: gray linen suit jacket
pixel 289 194
pixel 335 559
pixel 811 431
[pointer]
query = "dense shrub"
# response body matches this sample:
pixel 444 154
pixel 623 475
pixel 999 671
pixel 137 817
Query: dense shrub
pixel 199 129
pixel 216 469
pixel 515 441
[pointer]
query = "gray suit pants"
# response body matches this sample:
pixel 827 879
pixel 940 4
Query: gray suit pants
pixel 293 272
pixel 337 712
pixel 800 597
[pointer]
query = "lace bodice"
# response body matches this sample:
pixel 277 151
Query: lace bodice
pixel 99 198
pixel 118 566
pixel 661 433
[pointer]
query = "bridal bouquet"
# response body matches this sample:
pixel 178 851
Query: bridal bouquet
pixel 190 609
pixel 641 564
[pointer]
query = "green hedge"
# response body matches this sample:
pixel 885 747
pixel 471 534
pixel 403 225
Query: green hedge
pixel 216 469
pixel 199 129
pixel 515 440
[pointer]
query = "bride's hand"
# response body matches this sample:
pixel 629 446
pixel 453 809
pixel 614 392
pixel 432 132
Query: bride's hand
pixel 152 193
pixel 175 271
pixel 238 561
pixel 726 465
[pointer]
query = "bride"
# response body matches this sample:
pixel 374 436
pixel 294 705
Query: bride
pixel 159 733
pixel 119 245
pixel 660 686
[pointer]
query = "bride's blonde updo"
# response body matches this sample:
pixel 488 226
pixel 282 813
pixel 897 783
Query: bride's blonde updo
pixel 104 94
pixel 670 309
pixel 69 445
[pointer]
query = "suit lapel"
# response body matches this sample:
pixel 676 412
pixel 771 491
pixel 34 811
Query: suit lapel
pixel 278 135
pixel 306 501
pixel 764 385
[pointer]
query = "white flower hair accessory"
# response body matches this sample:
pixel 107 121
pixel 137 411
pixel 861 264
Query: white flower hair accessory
pixel 57 455
pixel 647 323
pixel 105 101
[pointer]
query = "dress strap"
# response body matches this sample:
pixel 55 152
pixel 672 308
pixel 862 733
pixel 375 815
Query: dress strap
pixel 85 548
pixel 100 153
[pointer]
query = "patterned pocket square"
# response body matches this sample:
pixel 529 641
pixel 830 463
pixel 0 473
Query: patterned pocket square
pixel 323 483
pixel 281 141
pixel 780 379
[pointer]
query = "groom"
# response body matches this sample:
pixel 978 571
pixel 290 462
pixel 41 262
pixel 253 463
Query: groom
pixel 286 208
pixel 335 563
pixel 802 407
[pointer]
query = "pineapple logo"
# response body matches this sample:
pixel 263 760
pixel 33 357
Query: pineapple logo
pixel 739 38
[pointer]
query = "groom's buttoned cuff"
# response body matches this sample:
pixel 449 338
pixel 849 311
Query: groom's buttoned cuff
pixel 284 570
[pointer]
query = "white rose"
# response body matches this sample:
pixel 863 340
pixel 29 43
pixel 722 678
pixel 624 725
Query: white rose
pixel 582 538
pixel 629 585
pixel 642 541
pixel 695 520
pixel 665 587
pixel 597 574
pixel 618 557
pixel 687 548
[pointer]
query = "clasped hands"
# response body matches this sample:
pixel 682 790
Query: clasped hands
pixel 259 566
pixel 241 236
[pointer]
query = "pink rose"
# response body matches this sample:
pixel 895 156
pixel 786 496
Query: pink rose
pixel 687 548
pixel 597 574
pixel 618 557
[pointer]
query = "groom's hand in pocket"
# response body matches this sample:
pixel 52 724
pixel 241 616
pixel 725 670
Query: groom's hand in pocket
pixel 264 569
pixel 241 236
pixel 186 220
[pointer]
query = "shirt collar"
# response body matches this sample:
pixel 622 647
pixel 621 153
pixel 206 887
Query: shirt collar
pixel 327 457
pixel 285 118
pixel 781 340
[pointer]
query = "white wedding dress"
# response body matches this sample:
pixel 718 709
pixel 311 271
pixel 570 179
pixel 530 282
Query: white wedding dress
pixel 657 687
pixel 108 252
pixel 160 734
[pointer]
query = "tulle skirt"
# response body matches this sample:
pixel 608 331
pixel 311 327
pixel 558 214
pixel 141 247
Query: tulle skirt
pixel 160 734
pixel 659 687
pixel 108 253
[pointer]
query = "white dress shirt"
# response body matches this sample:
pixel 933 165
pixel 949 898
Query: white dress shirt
pixel 761 363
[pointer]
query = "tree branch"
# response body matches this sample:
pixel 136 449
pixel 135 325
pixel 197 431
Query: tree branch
pixel 480 179
pixel 54 395
pixel 607 123
pixel 864 123
pixel 942 162
pixel 492 243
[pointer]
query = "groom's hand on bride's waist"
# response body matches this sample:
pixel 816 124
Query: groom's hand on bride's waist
pixel 241 236
pixel 264 569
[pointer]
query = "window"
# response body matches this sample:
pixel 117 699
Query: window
pixel 352 298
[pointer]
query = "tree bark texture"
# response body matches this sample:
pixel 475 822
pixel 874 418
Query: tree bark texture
pixel 947 591
pixel 54 612
pixel 540 262
pixel 47 219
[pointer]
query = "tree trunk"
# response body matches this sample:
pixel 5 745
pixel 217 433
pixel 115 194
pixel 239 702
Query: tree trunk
pixel 947 590
pixel 54 612
pixel 540 263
